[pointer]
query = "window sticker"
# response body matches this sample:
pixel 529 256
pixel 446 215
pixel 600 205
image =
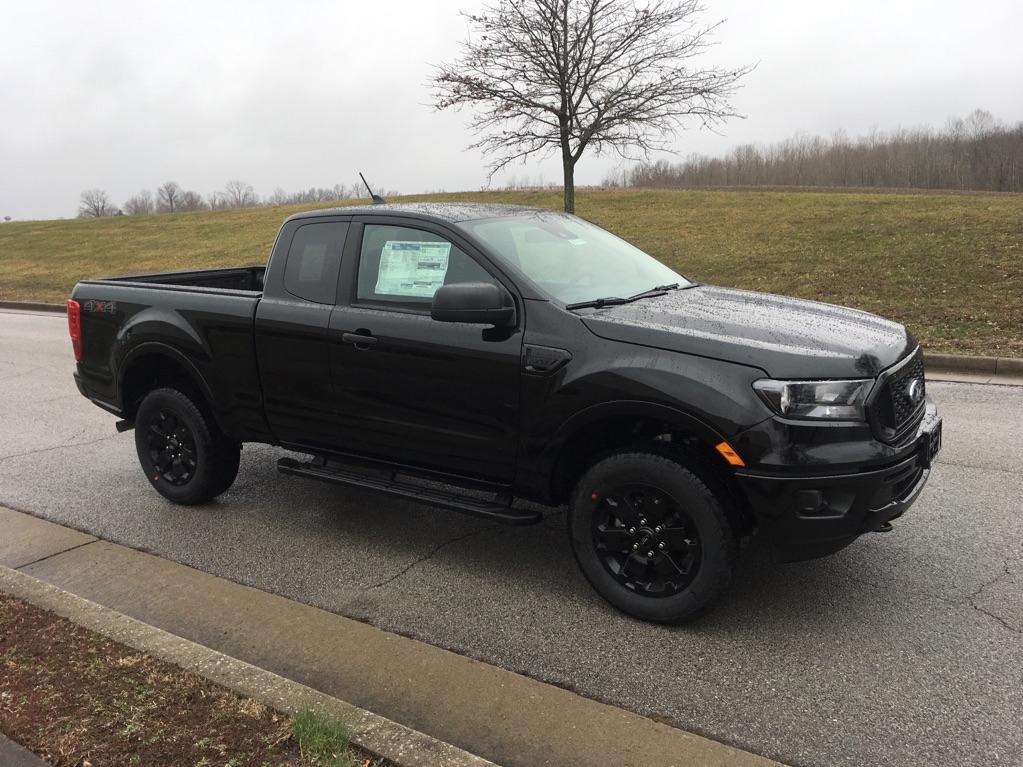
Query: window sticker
pixel 414 269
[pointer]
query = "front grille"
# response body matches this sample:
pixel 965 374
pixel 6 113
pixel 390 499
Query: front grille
pixel 902 404
pixel 896 409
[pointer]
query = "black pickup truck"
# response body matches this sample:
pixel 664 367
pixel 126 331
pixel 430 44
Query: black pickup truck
pixel 470 355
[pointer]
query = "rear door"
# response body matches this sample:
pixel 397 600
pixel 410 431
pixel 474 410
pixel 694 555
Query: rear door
pixel 442 396
pixel 293 335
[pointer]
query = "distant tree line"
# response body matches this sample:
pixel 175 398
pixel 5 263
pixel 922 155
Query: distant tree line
pixel 170 197
pixel 975 153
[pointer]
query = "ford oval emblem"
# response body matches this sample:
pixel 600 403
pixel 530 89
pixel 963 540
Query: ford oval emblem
pixel 915 391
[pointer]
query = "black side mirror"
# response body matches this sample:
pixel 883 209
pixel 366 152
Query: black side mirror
pixel 478 303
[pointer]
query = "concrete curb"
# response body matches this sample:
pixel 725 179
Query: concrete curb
pixel 381 737
pixel 15 755
pixel 31 307
pixel 961 362
pixel 1010 366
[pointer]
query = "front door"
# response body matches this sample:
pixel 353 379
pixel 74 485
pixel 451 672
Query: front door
pixel 437 395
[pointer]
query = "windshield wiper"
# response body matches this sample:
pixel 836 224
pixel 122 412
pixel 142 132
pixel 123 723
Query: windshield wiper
pixel 659 290
pixel 598 303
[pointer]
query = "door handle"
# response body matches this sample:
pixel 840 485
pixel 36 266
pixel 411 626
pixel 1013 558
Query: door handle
pixel 361 340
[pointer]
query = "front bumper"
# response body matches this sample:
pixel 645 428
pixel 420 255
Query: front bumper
pixel 809 516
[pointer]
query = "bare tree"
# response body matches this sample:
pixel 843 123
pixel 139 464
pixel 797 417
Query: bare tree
pixel 279 197
pixel 216 201
pixel 95 203
pixel 239 194
pixel 168 196
pixel 190 201
pixel 549 76
pixel 140 205
pixel 975 152
pixel 6 219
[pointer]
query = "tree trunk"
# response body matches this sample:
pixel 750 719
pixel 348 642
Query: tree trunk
pixel 569 167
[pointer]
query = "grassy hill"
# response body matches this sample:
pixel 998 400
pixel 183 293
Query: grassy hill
pixel 950 266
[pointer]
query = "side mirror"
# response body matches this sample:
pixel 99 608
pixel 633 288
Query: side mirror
pixel 478 303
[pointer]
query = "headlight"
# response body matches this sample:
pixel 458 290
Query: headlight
pixel 835 400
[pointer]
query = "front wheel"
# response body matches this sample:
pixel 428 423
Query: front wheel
pixel 184 456
pixel 651 537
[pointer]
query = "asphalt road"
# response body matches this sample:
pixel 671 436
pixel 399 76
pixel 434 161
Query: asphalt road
pixel 905 648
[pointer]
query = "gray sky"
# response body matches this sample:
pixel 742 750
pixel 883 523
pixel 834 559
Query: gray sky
pixel 126 95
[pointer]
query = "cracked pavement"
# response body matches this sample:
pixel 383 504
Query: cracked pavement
pixel 904 649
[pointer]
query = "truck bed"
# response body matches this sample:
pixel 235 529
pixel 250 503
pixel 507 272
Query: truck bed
pixel 244 278
pixel 203 319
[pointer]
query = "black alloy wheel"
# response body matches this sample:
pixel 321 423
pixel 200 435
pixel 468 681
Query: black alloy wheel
pixel 171 448
pixel 646 540
pixel 185 457
pixel 653 535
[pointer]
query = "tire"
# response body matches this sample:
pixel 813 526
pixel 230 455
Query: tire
pixel 228 472
pixel 184 456
pixel 633 505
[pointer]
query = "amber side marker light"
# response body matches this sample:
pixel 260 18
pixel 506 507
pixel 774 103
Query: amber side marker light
pixel 729 454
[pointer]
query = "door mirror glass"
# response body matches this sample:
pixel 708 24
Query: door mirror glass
pixel 478 303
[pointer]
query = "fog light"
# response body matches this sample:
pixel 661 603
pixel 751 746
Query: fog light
pixel 810 502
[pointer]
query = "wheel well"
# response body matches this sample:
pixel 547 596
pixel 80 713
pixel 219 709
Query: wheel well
pixel 596 441
pixel 153 371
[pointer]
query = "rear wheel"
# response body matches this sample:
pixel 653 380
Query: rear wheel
pixel 185 457
pixel 651 537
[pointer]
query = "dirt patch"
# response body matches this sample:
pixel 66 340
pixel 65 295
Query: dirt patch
pixel 79 699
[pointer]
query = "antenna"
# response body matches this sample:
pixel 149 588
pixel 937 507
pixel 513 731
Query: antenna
pixel 377 199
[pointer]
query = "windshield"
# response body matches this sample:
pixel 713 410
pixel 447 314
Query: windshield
pixel 573 260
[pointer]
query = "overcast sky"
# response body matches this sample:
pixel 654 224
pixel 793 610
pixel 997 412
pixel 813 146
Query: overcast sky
pixel 126 95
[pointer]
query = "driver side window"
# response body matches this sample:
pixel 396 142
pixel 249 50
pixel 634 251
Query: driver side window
pixel 401 266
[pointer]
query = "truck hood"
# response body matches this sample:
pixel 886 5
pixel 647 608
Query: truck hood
pixel 784 337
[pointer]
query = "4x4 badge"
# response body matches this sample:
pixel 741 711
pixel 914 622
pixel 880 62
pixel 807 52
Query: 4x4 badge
pixel 107 307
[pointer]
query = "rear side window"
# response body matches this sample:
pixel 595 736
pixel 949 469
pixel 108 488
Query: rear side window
pixel 314 261
pixel 403 267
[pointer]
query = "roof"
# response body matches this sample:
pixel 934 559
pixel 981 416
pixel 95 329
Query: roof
pixel 452 212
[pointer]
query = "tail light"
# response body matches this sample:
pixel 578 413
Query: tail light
pixel 74 327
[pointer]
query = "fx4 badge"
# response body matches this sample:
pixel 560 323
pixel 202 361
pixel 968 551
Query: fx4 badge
pixel 105 307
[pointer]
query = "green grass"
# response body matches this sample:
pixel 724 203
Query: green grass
pixel 322 740
pixel 950 266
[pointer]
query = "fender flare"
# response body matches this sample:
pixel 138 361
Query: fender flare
pixel 549 457
pixel 639 409
pixel 160 349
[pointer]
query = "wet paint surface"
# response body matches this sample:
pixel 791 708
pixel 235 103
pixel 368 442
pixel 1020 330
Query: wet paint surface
pixel 441 211
pixel 787 337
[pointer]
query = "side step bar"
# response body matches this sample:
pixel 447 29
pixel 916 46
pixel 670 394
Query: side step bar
pixel 354 477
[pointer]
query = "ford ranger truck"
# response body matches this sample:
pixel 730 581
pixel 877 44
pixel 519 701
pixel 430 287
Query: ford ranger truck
pixel 472 356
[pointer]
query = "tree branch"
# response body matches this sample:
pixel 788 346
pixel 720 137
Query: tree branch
pixel 543 75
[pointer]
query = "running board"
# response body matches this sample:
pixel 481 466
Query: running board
pixel 354 477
